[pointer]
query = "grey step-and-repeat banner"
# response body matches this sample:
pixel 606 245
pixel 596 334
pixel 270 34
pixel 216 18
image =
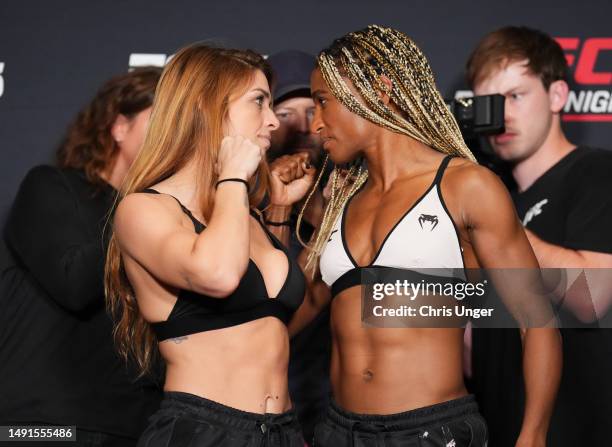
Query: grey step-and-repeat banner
pixel 55 54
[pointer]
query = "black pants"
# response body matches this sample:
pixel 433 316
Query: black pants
pixel 455 423
pixel 186 420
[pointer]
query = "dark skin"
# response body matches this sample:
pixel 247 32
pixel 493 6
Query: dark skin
pixel 384 371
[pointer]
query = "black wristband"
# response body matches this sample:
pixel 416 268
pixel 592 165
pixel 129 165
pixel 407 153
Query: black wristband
pixel 239 180
pixel 279 224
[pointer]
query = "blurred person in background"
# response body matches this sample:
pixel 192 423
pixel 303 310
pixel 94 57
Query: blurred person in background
pixel 562 198
pixel 59 363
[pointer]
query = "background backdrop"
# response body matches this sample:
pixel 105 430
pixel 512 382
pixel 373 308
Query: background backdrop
pixel 55 54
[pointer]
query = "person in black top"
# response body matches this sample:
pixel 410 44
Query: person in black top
pixel 192 272
pixel 562 197
pixel 59 364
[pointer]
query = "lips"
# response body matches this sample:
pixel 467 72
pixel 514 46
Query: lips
pixel 268 138
pixel 326 141
pixel 504 138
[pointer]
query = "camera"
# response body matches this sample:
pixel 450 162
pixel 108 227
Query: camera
pixel 478 115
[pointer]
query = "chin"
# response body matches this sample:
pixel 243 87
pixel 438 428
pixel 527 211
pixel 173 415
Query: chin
pixel 511 156
pixel 338 160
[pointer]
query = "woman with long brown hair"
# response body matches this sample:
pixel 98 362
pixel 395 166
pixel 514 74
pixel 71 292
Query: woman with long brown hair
pixel 192 273
pixel 59 363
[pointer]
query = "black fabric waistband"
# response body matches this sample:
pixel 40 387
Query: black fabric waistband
pixel 208 409
pixel 407 420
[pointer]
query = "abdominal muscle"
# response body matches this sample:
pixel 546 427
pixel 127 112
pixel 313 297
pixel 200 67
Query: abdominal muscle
pixel 391 370
pixel 243 367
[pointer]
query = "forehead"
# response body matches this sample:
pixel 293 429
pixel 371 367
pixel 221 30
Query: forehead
pixel 258 81
pixel 506 77
pixel 316 80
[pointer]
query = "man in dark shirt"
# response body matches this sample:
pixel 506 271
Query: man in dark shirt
pixel 563 199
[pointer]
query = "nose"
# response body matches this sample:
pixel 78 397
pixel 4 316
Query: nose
pixel 508 110
pixel 271 120
pixel 303 125
pixel 316 125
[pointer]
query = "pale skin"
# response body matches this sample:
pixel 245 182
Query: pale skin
pixel 128 133
pixel 366 372
pixel 534 142
pixel 243 366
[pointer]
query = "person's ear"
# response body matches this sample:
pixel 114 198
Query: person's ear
pixel 384 89
pixel 120 128
pixel 558 92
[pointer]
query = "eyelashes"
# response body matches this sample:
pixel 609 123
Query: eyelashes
pixel 260 102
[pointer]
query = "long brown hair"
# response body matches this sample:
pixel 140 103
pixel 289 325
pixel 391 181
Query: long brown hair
pixel 189 110
pixel 89 144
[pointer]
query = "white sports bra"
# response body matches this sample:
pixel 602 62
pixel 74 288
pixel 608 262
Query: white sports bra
pixel 424 238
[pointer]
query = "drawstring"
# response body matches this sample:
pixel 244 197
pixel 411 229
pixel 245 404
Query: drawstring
pixel 267 427
pixel 376 429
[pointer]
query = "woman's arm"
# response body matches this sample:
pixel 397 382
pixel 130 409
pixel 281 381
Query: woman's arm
pixel 500 243
pixel 291 179
pixel 149 230
pixel 317 297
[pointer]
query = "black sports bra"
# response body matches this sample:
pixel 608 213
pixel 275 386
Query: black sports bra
pixel 194 312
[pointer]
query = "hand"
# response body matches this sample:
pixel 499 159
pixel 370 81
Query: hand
pixel 292 176
pixel 238 157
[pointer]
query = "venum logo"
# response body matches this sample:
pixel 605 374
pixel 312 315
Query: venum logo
pixel 1 79
pixel 428 221
pixel 588 103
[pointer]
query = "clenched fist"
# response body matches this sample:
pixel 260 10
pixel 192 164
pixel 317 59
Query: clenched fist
pixel 292 176
pixel 238 157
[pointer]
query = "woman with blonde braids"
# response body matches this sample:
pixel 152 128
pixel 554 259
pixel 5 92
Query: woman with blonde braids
pixel 422 203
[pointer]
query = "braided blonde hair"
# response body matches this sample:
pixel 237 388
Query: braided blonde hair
pixel 363 57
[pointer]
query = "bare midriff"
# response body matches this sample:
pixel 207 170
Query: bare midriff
pixel 243 367
pixel 391 370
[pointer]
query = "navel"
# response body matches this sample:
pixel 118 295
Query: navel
pixel 367 375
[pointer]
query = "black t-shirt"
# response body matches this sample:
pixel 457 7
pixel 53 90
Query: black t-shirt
pixel 58 361
pixel 570 205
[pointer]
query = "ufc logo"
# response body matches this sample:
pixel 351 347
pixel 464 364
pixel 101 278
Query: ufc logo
pixel 148 60
pixel 1 79
pixel 586 59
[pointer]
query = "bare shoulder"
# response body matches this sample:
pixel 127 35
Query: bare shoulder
pixel 139 212
pixel 478 195
pixel 464 177
pixel 148 205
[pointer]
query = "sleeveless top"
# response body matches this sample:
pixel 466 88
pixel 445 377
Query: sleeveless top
pixel 425 237
pixel 194 312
